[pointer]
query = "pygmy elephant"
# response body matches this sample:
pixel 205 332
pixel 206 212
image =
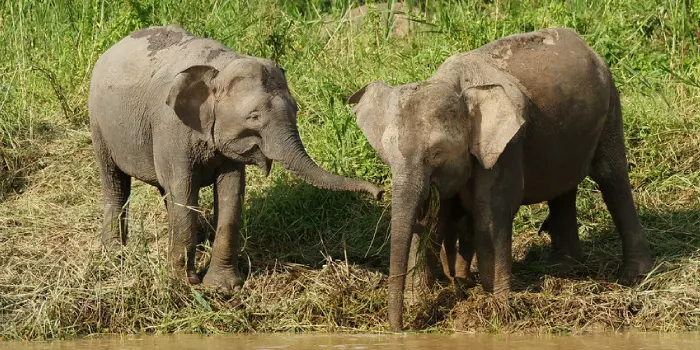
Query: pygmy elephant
pixel 181 112
pixel 523 119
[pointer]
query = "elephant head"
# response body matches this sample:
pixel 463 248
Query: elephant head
pixel 246 113
pixel 431 133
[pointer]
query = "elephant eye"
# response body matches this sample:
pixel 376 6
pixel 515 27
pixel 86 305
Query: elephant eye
pixel 437 152
pixel 253 116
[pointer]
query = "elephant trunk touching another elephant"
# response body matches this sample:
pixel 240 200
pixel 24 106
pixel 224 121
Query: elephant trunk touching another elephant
pixel 290 152
pixel 181 112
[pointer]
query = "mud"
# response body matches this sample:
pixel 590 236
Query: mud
pixel 159 38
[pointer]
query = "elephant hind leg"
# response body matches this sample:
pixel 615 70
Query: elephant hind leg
pixel 116 189
pixel 609 171
pixel 563 228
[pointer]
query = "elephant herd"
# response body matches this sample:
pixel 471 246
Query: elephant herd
pixel 521 120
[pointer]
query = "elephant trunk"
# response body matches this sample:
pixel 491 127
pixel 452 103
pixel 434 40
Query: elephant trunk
pixel 288 149
pixel 407 196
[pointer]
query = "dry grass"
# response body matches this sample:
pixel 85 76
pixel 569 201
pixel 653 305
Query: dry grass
pixel 57 282
pixel 317 260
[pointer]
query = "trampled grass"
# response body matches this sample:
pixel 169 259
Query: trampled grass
pixel 316 259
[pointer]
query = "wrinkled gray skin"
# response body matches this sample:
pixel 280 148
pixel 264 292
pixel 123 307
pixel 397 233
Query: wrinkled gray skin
pixel 521 120
pixel 181 112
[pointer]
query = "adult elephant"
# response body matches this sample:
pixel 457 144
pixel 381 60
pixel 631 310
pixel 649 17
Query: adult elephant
pixel 181 112
pixel 521 120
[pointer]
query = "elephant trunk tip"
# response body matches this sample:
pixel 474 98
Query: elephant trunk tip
pixel 376 192
pixel 359 186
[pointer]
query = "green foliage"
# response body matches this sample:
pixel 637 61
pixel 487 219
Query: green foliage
pixel 54 286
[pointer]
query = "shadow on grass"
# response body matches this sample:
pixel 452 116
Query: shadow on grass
pixel 672 235
pixel 292 222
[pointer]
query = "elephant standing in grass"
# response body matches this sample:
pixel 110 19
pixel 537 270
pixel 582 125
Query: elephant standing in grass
pixel 521 120
pixel 181 112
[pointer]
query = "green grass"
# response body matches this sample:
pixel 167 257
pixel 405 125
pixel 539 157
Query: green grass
pixel 56 282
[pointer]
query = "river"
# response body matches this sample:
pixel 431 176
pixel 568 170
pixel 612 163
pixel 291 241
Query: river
pixel 622 341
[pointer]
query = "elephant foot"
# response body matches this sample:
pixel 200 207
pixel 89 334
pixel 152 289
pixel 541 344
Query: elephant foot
pixel 193 277
pixel 190 274
pixel 635 271
pixel 498 288
pixel 112 244
pixel 223 279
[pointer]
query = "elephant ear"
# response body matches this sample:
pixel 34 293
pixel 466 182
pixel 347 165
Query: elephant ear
pixel 191 96
pixel 496 119
pixel 371 103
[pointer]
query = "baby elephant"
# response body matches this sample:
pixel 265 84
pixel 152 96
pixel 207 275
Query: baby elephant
pixel 521 120
pixel 181 112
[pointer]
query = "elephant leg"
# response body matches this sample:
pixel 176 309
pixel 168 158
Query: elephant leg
pixel 498 193
pixel 456 258
pixel 466 248
pixel 182 202
pixel 229 191
pixel 609 171
pixel 448 254
pixel 563 228
pixel 116 189
pixel 440 231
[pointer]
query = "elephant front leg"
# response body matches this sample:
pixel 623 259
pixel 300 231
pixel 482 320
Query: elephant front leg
pixel 498 193
pixel 229 191
pixel 494 230
pixel 182 216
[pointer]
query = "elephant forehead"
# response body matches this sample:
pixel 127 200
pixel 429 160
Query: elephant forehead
pixel 430 101
pixel 401 146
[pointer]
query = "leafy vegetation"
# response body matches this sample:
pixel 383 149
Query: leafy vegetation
pixel 316 259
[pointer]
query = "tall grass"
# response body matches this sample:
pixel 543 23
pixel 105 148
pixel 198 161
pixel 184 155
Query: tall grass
pixel 317 259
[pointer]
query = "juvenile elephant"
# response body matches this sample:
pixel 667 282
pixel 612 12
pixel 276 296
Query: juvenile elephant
pixel 521 120
pixel 181 112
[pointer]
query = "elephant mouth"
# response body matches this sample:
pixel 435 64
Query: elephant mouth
pixel 265 165
pixel 256 157
pixel 250 154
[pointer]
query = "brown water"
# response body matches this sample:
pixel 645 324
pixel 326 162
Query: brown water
pixel 626 341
